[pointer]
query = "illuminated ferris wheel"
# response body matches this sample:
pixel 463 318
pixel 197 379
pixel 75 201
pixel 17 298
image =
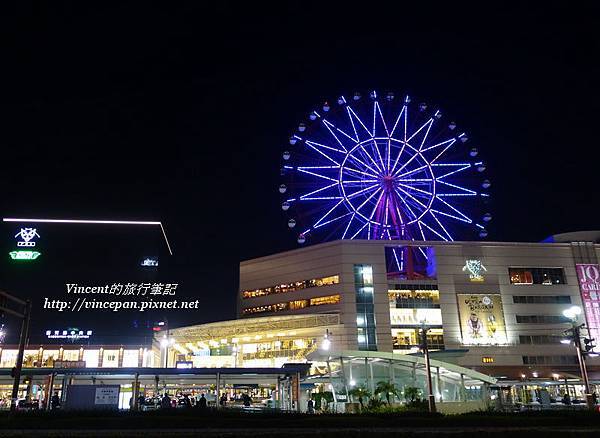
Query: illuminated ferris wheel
pixel 382 167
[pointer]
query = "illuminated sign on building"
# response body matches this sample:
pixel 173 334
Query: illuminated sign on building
pixel 24 255
pixel 589 286
pixel 71 334
pixel 27 235
pixel 150 261
pixel 487 359
pixel 481 319
pixel 475 269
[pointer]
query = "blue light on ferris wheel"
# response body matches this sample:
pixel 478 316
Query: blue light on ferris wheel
pixel 381 168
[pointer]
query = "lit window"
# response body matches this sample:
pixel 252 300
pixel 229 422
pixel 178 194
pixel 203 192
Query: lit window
pixel 291 287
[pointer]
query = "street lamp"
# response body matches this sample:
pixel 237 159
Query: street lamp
pixel 326 344
pixel 574 335
pixel 425 349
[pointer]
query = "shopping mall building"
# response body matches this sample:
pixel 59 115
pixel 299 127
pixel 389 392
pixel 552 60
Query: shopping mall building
pixel 493 307
pixel 353 310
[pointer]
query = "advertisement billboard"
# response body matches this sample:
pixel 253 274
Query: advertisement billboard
pixel 589 286
pixel 481 319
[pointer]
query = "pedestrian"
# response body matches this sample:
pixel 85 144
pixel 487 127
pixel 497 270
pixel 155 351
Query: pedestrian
pixel 566 399
pixel 594 398
pixel 246 400
pixel 223 400
pixel 186 401
pixel 311 406
pixel 166 401
pixel 202 402
pixel 55 401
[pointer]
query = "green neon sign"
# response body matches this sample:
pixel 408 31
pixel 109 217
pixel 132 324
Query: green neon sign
pixel 24 255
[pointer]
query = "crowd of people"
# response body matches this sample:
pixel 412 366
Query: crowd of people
pixel 187 401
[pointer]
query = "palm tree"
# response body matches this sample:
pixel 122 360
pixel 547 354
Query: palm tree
pixel 388 389
pixel 412 393
pixel 361 392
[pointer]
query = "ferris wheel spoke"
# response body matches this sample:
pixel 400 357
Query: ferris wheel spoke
pixel 377 110
pixel 379 154
pixel 453 217
pixel 352 123
pixel 357 209
pixel 306 196
pixel 410 172
pixel 343 133
pixel 327 214
pixel 322 153
pixel 406 203
pixel 350 169
pixel 462 167
pixel 360 181
pixel 329 125
pixel 427 125
pixel 453 208
pixel 366 189
pixel 402 113
pixel 359 230
pixel 324 146
pixel 461 216
pixel 365 165
pixel 348 225
pixel 401 168
pixel 360 121
pixel 441 226
pixel 433 231
pixel 411 196
pixel 442 152
pixel 448 142
pixel 419 223
pixel 303 170
pixel 322 224
pixel 464 190
pixel 416 189
pixel 376 205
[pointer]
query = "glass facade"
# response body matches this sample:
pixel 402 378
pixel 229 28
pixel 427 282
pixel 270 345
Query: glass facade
pixel 547 276
pixel 365 313
pixel 292 305
pixel 291 287
pixel 410 305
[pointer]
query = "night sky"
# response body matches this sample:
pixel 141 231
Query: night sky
pixel 180 114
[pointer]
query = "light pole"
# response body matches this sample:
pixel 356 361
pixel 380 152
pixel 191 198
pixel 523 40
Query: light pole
pixel 425 349
pixel 326 344
pixel 165 343
pixel 574 334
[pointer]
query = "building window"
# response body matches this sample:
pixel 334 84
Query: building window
pixel 291 287
pixel 549 360
pixel 547 276
pixel 408 339
pixel 541 299
pixel 409 298
pixel 540 339
pixel 293 305
pixel 541 319
pixel 365 313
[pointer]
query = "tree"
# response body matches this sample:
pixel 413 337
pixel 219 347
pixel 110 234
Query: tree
pixel 412 393
pixel 361 392
pixel 388 389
